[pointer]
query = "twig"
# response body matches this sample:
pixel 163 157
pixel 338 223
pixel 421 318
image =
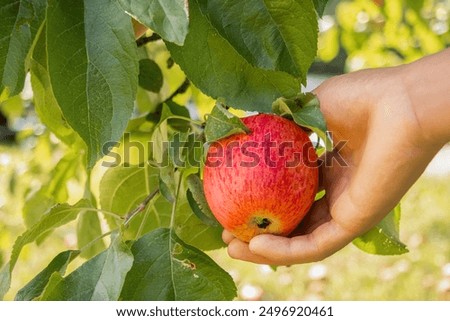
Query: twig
pixel 223 105
pixel 180 90
pixel 140 207
pixel 145 40
pixel 175 203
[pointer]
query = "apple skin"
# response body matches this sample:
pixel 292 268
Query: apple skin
pixel 264 181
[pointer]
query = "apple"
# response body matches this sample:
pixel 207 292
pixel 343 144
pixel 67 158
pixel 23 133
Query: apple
pixel 264 181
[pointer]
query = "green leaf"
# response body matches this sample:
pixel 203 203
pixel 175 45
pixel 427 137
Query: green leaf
pixel 99 279
pixel 46 105
pixel 150 75
pixel 320 6
pixel 123 188
pixel 59 215
pixel 5 280
pixel 20 23
pixel 160 135
pixel 166 268
pixel 383 239
pixel 54 280
pixel 36 286
pixel 66 169
pixel 167 182
pixel 88 229
pixel 169 18
pixel 13 107
pixel 197 200
pixel 184 149
pixel 176 149
pixel 319 195
pixel 177 117
pixel 35 206
pixel 93 68
pixel 305 111
pixel 217 68
pixel 221 123
pixel 180 125
pixel 278 35
pixel 195 232
pixel 53 191
pixel 194 150
pixel 170 111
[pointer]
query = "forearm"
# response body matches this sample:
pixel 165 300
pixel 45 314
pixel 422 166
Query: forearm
pixel 428 84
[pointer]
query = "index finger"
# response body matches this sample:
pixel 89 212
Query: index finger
pixel 325 240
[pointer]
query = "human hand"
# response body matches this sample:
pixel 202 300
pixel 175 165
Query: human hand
pixel 382 150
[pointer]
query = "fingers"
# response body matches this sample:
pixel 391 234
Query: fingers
pixel 278 250
pixel 325 240
pixel 317 215
pixel 227 237
pixel 240 250
pixel 324 237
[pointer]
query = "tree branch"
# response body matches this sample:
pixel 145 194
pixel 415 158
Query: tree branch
pixel 180 90
pixel 145 40
pixel 140 207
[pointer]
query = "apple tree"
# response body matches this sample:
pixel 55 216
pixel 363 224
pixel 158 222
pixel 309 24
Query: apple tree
pixel 130 94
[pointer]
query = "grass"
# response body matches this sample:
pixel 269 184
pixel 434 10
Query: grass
pixel 350 274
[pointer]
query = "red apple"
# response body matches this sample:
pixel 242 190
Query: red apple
pixel 264 181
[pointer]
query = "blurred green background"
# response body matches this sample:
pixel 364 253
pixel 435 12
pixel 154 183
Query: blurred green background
pixel 354 35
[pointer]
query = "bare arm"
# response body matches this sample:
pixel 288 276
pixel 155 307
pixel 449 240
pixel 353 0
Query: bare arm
pixel 428 83
pixel 394 120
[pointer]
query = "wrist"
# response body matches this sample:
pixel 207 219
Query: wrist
pixel 428 88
